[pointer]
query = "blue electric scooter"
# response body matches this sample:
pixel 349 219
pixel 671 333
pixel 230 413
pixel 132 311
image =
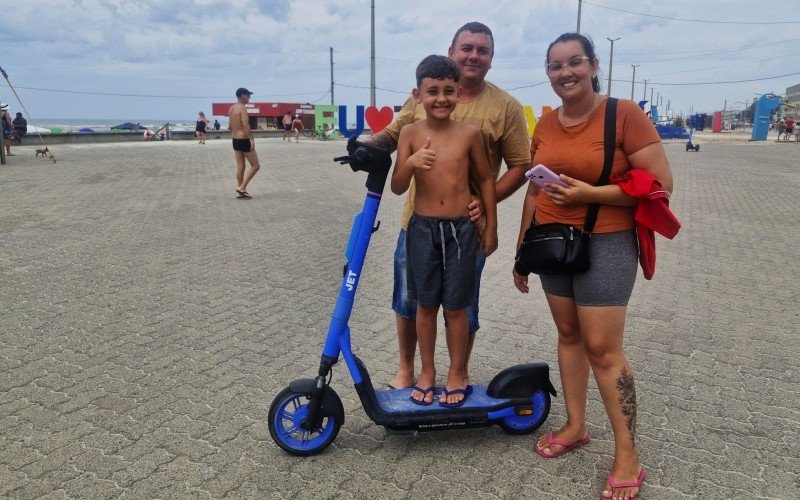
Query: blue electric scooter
pixel 306 416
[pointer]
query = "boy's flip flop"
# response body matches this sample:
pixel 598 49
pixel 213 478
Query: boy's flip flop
pixel 567 445
pixel 466 392
pixel 625 484
pixel 242 195
pixel 424 395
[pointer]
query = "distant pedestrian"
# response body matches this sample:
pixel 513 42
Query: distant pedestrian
pixel 20 127
pixel 8 128
pixel 244 145
pixel 200 128
pixel 297 125
pixel 789 128
pixel 287 126
pixel 216 125
pixel 781 128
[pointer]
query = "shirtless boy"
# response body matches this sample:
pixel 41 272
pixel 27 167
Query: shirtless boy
pixel 442 242
pixel 244 146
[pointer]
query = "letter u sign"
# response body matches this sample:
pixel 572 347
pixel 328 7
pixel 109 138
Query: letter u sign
pixel 343 121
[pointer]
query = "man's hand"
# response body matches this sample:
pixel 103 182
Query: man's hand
pixel 475 209
pixel 488 242
pixel 578 193
pixel 520 281
pixel 424 159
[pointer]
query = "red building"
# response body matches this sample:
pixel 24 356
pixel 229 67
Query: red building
pixel 269 115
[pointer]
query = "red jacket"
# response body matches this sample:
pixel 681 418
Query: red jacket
pixel 652 214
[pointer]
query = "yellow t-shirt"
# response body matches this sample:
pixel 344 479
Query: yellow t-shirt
pixel 501 120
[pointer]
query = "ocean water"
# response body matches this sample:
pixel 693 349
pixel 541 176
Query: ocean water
pixel 102 124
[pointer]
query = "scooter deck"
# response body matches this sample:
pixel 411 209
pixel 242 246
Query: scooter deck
pixel 399 401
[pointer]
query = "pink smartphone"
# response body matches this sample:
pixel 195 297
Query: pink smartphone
pixel 540 174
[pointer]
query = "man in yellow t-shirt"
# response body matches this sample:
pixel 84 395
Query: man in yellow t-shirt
pixel 502 122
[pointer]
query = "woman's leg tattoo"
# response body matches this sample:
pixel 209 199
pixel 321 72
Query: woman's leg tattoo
pixel 627 400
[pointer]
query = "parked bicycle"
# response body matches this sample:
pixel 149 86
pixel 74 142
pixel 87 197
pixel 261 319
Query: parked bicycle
pixel 321 134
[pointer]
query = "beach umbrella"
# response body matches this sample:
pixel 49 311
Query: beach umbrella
pixel 33 129
pixel 85 130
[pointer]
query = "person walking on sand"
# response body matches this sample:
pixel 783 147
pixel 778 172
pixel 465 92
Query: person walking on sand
pixel 8 128
pixel 244 145
pixel 297 125
pixel 200 128
pixel 287 126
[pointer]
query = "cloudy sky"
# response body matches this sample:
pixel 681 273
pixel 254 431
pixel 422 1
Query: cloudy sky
pixel 198 52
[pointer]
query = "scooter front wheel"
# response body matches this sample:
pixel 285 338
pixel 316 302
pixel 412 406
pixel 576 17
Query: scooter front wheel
pixel 288 410
pixel 526 424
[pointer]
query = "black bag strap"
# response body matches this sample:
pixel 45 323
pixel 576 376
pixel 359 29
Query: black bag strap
pixel 609 146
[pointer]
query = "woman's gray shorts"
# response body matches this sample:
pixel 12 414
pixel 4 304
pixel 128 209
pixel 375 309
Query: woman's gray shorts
pixel 610 278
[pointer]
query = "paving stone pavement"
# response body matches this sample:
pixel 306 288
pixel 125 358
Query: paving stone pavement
pixel 147 319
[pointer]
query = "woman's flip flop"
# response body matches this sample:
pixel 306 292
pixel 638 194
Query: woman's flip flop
pixel 567 445
pixel 625 484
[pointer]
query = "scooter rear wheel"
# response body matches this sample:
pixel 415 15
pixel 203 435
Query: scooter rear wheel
pixel 288 410
pixel 526 424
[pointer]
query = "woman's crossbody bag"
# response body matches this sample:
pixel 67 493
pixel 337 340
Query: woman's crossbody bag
pixel 561 248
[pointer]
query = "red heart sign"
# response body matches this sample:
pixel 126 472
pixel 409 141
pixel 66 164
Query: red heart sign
pixel 378 119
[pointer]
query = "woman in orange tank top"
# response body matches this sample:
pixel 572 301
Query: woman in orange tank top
pixel 589 308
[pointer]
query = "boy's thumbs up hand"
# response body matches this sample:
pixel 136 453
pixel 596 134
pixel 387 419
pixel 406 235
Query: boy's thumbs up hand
pixel 424 158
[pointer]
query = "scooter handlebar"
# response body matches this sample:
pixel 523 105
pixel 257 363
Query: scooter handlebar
pixel 365 157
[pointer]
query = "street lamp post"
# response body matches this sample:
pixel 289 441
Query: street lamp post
pixel 644 96
pixel 580 3
pixel 331 76
pixel 633 78
pixel 372 69
pixel 610 63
